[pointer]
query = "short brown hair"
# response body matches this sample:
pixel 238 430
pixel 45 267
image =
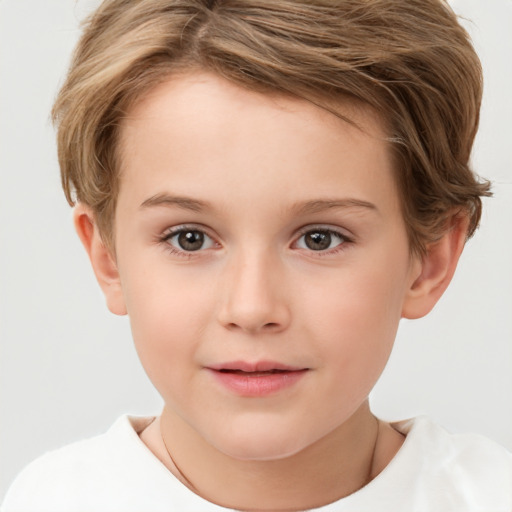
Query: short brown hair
pixel 410 60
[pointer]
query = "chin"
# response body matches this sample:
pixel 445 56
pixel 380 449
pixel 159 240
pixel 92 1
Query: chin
pixel 266 443
pixel 255 450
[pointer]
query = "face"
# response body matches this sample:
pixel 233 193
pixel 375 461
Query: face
pixel 263 261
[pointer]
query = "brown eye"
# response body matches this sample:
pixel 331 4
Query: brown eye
pixel 320 240
pixel 189 240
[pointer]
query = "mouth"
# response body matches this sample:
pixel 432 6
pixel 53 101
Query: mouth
pixel 257 379
pixel 254 374
pixel 257 367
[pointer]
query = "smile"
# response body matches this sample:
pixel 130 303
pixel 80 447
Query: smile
pixel 256 379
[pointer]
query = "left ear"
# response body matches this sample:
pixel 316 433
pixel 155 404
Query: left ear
pixel 434 271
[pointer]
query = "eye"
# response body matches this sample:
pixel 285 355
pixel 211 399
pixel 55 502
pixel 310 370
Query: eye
pixel 188 240
pixel 321 240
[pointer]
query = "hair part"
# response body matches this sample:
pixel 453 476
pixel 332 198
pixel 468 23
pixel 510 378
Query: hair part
pixel 410 60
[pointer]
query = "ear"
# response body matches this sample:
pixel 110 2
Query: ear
pixel 432 274
pixel 102 261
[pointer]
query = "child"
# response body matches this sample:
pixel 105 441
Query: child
pixel 266 188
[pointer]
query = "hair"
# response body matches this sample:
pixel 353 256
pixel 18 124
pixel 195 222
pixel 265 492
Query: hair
pixel 410 60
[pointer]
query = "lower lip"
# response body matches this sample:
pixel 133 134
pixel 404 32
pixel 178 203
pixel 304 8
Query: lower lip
pixel 260 384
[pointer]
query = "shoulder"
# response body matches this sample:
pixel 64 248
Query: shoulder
pixel 84 472
pixel 470 466
pixel 463 449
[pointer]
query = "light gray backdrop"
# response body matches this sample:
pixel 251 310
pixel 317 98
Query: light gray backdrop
pixel 68 368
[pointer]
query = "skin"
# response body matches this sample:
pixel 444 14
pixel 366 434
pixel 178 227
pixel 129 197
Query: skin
pixel 255 290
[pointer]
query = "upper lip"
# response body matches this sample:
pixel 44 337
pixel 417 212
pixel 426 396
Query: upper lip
pixel 258 366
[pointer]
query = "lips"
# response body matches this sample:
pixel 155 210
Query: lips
pixel 260 366
pixel 256 379
pixel 253 374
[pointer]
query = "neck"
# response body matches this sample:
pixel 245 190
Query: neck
pixel 335 466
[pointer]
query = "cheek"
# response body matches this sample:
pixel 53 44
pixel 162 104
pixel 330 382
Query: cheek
pixel 354 319
pixel 167 316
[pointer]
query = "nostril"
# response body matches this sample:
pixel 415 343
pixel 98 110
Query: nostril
pixel 254 316
pixel 253 328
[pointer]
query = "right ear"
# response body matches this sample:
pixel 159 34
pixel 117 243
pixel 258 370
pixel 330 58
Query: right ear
pixel 102 261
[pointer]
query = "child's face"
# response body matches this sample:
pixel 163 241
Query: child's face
pixel 256 230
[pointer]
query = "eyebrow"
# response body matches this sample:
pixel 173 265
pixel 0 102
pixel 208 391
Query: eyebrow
pixel 299 208
pixel 187 203
pixel 320 205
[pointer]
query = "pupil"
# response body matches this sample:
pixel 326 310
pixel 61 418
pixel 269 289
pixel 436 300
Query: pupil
pixel 318 240
pixel 191 240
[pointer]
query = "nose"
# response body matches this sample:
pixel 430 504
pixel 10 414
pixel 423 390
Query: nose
pixel 254 295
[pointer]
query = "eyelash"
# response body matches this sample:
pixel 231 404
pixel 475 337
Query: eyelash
pixel 345 240
pixel 172 232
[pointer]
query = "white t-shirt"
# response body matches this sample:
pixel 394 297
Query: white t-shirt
pixel 115 472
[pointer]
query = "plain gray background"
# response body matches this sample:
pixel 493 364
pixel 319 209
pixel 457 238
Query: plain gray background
pixel 68 368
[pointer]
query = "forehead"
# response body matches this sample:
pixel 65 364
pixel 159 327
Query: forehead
pixel 202 133
pixel 190 94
